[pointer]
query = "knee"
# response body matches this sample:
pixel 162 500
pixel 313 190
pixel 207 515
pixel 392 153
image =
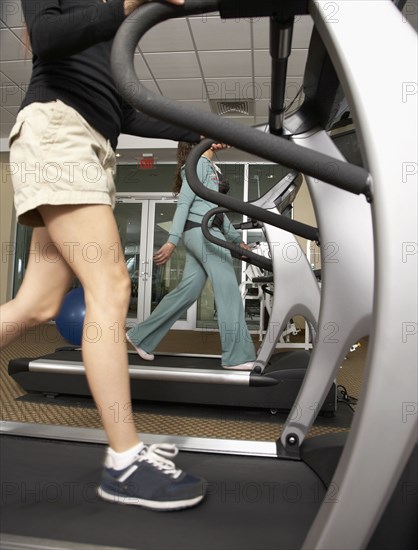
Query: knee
pixel 114 290
pixel 193 294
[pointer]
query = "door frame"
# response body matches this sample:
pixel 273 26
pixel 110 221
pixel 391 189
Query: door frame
pixel 149 203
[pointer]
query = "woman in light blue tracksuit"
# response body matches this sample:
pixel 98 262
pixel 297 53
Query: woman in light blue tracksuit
pixel 203 259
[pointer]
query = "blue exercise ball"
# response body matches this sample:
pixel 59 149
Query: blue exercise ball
pixel 70 318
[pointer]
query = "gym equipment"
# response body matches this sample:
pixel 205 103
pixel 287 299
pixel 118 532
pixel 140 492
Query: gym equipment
pixel 70 319
pixel 380 446
pixel 206 382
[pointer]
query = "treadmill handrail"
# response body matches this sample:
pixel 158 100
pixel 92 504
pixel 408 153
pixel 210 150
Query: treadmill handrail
pixel 236 250
pixel 274 148
pixel 237 205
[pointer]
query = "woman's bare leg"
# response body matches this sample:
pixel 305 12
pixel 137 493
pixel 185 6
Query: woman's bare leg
pixel 46 281
pixel 88 239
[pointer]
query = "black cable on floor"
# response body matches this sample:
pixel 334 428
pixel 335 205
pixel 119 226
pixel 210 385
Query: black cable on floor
pixel 343 397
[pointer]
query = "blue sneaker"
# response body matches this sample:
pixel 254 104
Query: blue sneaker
pixel 153 481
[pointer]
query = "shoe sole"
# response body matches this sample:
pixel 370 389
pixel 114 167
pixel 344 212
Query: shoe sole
pixel 150 504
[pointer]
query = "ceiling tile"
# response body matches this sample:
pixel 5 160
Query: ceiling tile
pixel 4 80
pixel 11 96
pixel 214 33
pixel 185 88
pixel 6 117
pixel 5 129
pixel 13 110
pixel 11 13
pixel 141 68
pixel 262 108
pixel 151 86
pixel 297 62
pixel 11 47
pixel 226 63
pixel 17 71
pixel 262 63
pixel 172 36
pixel 173 65
pixel 260 121
pixel 223 56
pixel 302 31
pixel 21 34
pixel 231 88
pixel 261 33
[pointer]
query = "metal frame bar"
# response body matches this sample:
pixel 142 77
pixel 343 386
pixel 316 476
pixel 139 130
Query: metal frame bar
pixel 89 435
pixel 346 289
pixel 140 372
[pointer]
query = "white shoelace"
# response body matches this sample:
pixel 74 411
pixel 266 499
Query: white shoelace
pixel 159 456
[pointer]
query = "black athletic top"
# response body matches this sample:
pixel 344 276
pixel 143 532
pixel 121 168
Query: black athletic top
pixel 71 43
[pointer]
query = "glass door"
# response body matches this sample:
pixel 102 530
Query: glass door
pixel 144 225
pixel 164 278
pixel 131 218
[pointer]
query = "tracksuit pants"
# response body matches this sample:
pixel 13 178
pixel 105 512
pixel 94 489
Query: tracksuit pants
pixel 203 259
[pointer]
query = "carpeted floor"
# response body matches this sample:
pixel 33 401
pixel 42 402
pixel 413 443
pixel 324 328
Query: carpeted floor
pixel 161 418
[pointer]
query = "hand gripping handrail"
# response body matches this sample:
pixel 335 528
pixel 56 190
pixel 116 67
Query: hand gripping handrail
pixel 270 147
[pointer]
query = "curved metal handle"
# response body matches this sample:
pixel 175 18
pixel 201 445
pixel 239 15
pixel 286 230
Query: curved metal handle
pixel 273 148
pixel 236 250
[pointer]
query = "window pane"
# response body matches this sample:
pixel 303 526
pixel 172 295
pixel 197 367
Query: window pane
pixel 262 177
pixel 166 277
pixel 128 218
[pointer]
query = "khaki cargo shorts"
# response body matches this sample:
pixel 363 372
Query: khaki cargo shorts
pixel 57 158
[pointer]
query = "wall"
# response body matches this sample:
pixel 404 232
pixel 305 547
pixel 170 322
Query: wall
pixel 303 212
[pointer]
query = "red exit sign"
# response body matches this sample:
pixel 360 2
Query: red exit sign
pixel 146 163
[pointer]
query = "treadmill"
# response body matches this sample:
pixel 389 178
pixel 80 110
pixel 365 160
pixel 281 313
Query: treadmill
pixel 276 379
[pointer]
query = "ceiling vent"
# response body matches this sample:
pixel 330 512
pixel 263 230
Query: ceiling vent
pixel 232 107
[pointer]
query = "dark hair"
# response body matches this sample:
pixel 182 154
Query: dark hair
pixel 183 150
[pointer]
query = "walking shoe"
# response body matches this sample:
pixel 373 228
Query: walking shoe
pixel 242 366
pixel 142 353
pixel 153 481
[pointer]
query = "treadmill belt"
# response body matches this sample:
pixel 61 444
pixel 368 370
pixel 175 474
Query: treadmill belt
pixel 49 491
